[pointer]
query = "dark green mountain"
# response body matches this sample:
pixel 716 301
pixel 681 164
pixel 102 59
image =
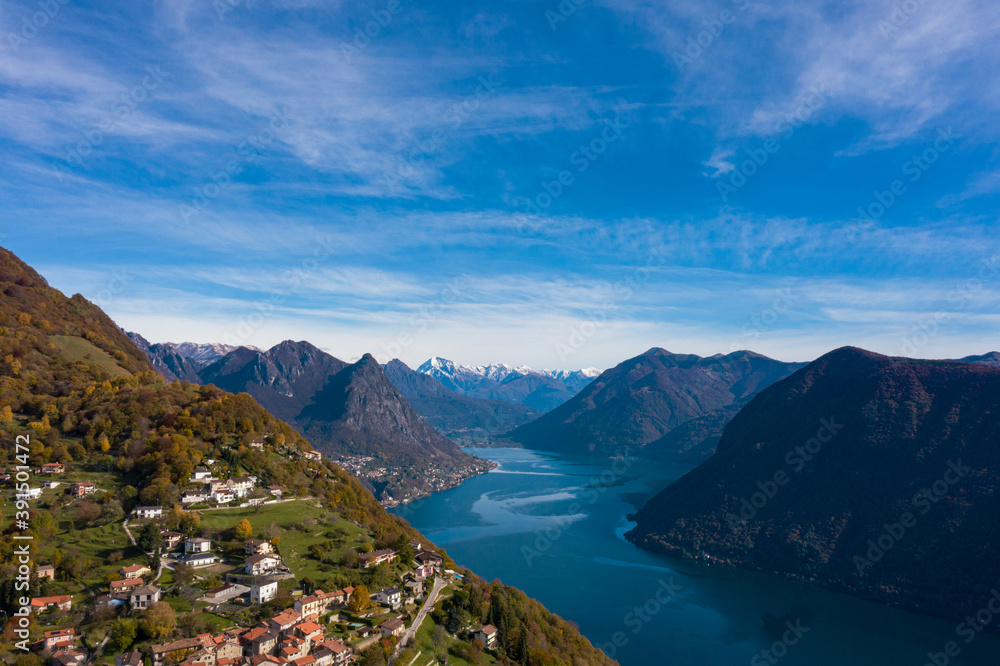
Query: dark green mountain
pixel 632 407
pixel 878 476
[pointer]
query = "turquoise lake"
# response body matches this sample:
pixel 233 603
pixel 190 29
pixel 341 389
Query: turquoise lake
pixel 552 525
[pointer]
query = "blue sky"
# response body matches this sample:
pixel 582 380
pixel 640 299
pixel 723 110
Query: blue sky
pixel 513 181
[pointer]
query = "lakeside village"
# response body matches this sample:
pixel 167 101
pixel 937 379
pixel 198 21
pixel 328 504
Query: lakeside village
pixel 239 596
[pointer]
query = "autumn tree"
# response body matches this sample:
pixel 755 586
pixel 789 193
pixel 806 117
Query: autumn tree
pixel 159 621
pixel 360 599
pixel 244 530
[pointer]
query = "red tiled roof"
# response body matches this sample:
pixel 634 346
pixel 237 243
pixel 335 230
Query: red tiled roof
pixel 309 627
pixel 45 601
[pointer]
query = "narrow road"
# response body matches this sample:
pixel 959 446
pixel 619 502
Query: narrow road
pixel 424 610
pixel 128 532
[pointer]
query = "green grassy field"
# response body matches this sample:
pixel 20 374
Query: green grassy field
pixel 74 349
pixel 293 542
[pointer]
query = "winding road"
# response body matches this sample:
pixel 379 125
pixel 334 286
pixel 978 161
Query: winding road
pixel 439 583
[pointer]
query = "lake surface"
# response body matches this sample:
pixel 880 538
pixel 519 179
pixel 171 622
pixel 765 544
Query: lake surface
pixel 552 525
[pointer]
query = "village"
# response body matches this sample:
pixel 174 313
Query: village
pixel 271 618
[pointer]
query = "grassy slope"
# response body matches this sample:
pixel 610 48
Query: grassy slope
pixel 72 349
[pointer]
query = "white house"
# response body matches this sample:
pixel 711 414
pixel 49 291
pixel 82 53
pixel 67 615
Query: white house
pixel 261 593
pixel 241 485
pixel 197 545
pixel 201 474
pixel 223 496
pixel 143 512
pixel 201 559
pixel 194 497
pixel 261 564
pixel 393 596
pixel 29 494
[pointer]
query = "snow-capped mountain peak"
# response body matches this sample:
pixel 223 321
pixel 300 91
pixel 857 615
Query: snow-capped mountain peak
pixel 204 353
pixel 466 378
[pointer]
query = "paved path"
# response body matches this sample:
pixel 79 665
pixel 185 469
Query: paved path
pixel 424 610
pixel 128 532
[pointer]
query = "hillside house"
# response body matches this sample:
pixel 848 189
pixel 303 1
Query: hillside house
pixel 62 602
pixel 29 494
pixel 197 545
pixel 144 596
pixel 53 640
pixel 201 559
pixel 374 558
pixel 148 512
pixel 488 634
pixel 83 488
pixel 261 593
pixel 171 539
pixel 392 627
pixel 119 586
pixel 257 565
pixel 392 596
pixel 258 547
pixel 135 570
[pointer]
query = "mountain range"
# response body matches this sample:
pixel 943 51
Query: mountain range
pixel 875 475
pixel 540 390
pixel 657 404
pixel 460 417
pixel 350 412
